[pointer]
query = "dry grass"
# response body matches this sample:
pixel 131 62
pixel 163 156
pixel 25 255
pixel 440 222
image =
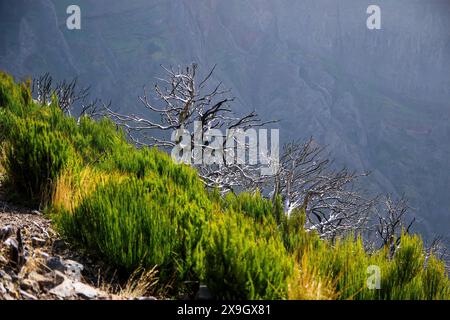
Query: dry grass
pixel 71 188
pixel 307 284
pixel 141 283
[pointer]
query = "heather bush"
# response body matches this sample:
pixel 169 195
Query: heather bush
pixel 245 260
pixel 141 222
pixel 343 267
pixel 253 205
pixel 14 97
pixel 34 158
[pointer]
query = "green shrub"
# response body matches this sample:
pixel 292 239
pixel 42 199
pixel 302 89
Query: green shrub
pixel 96 140
pixel 408 276
pixel 404 276
pixel 142 162
pixel 34 157
pixel 293 232
pixel 93 140
pixel 435 280
pixel 14 97
pixel 245 260
pixel 253 205
pixel 142 222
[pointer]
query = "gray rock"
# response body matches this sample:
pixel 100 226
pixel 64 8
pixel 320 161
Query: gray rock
pixel 11 243
pixel 85 291
pixel 64 290
pixel 59 277
pixel 56 263
pixel 26 253
pixel 14 276
pixel 26 295
pixel 43 255
pixel 73 269
pixel 44 281
pixel 5 276
pixel 16 250
pixel 6 232
pixel 15 256
pixel 10 286
pixel 70 288
pixel 145 298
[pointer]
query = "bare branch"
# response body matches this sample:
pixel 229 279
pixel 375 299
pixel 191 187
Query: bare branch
pixel 392 221
pixel 179 102
pixel 306 182
pixel 66 93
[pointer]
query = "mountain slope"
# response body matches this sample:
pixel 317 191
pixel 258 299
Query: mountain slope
pixel 378 99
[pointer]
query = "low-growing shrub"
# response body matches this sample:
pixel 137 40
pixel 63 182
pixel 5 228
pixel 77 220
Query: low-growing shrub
pixel 14 97
pixel 93 140
pixel 253 205
pixel 74 184
pixel 34 158
pixel 345 264
pixel 145 161
pixel 245 260
pixel 411 275
pixel 436 285
pixel 141 222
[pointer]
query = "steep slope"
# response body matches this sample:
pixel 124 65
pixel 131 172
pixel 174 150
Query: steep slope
pixel 378 99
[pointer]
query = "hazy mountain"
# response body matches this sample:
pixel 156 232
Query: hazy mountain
pixel 380 99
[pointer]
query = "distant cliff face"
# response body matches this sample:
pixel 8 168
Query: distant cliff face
pixel 379 99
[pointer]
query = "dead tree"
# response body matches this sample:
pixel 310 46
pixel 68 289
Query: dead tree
pixel 183 101
pixel 67 94
pixel 392 222
pixel 437 248
pixel 332 203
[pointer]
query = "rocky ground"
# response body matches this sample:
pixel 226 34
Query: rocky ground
pixel 35 263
